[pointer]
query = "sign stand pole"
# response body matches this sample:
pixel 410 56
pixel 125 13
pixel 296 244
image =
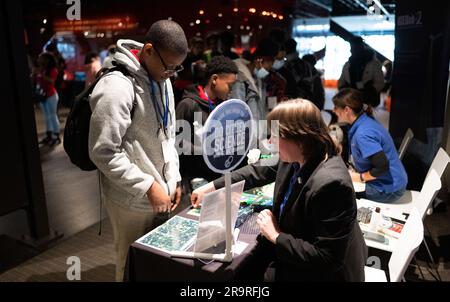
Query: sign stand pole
pixel 228 230
pixel 228 255
pixel 230 110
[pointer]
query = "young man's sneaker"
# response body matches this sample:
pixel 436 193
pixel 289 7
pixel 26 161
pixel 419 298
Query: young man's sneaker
pixel 47 140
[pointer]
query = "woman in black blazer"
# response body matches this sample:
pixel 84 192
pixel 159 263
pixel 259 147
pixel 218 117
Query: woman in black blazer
pixel 312 233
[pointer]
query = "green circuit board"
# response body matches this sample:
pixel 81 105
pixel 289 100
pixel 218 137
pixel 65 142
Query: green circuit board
pixel 177 234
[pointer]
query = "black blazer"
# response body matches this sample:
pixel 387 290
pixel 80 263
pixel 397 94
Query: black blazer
pixel 320 238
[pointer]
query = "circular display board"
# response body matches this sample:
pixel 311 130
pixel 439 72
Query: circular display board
pixel 227 135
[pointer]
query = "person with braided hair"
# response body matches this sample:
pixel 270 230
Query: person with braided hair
pixel 311 233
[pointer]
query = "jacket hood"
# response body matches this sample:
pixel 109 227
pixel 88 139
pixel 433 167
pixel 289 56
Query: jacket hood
pixel 197 94
pixel 127 58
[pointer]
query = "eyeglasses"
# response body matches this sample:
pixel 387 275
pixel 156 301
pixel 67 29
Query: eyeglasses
pixel 168 71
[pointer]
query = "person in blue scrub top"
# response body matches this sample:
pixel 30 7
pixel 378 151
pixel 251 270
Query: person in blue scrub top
pixel 375 157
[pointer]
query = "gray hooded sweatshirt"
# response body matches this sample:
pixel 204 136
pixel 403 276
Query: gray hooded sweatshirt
pixel 132 153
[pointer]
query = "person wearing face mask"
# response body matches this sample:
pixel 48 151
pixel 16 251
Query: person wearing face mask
pixel 192 112
pixel 311 233
pixel 281 83
pixel 132 135
pixel 250 86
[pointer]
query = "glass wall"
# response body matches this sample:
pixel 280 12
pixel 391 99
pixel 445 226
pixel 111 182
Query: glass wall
pixel 314 36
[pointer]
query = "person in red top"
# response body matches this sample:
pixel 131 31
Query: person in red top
pixel 46 75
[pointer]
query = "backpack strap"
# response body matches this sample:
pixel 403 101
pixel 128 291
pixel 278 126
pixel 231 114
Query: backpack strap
pixel 121 68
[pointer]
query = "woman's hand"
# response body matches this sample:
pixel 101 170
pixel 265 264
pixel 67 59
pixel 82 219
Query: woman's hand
pixel 268 225
pixel 197 194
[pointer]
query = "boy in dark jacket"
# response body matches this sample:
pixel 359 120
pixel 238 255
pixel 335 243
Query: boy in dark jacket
pixel 197 103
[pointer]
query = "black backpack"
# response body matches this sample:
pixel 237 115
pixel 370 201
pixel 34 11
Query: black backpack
pixel 76 132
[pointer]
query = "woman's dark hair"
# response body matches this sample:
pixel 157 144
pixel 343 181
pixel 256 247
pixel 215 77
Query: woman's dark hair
pixel 354 99
pixel 90 57
pixel 300 120
pixel 48 61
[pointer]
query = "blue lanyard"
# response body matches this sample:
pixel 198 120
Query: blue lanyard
pixel 164 118
pixel 291 187
pixel 211 106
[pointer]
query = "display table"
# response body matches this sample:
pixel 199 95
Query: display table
pixel 148 264
pixel 399 213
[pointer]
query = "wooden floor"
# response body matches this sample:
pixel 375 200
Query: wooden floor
pixel 72 195
pixel 73 199
pixel 95 253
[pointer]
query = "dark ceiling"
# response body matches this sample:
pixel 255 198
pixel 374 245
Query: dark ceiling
pixel 218 15
pixel 327 8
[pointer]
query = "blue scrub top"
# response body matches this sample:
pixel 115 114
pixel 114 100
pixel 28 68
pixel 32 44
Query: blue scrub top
pixel 367 137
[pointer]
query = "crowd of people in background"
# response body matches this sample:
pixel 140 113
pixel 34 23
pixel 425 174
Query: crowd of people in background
pixel 213 72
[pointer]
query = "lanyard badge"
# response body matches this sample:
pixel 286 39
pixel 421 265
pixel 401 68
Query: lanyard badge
pixel 211 106
pixel 163 113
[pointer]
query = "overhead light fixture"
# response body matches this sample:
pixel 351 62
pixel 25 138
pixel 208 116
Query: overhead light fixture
pixel 191 24
pixel 197 21
pixel 235 9
pixel 44 21
pixel 228 26
pixel 219 15
pixel 201 12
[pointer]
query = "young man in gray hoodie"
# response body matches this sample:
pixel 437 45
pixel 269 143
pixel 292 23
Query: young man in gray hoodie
pixel 132 134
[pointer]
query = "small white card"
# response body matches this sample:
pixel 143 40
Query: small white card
pixel 239 247
pixel 168 146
